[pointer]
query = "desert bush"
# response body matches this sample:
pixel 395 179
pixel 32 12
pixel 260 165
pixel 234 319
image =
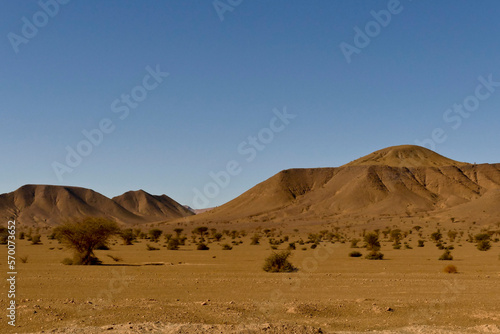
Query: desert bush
pixel 278 262
pixel 374 255
pixel 21 235
pixel 313 246
pixel 446 256
pixel 483 245
pixel 202 246
pixel 36 239
pixel 355 254
pixel 354 243
pixel 452 235
pixel 67 261
pixel 226 247
pixel 84 236
pixel 482 237
pixel 255 240
pixel 372 242
pixel 218 236
pixel 274 247
pixel 151 248
pixel 304 248
pixel 291 246
pixel 450 269
pixel 178 231
pixel 155 234
pixel 396 245
pixel 23 259
pixel 436 236
pixel 201 230
pixel 173 244
pixel 128 236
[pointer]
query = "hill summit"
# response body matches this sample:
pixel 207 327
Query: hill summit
pixel 405 156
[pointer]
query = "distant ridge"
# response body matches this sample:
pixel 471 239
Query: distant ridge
pixel 152 207
pixel 47 205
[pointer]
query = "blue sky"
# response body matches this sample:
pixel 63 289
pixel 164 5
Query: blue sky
pixel 225 79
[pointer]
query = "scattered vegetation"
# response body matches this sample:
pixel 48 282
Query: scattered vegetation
pixel 226 247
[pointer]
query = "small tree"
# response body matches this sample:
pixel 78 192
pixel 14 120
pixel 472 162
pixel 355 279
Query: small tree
pixel 155 234
pixel 84 236
pixel 201 230
pixel 178 232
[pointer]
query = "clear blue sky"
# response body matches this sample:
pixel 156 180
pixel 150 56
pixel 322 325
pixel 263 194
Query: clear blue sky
pixel 225 79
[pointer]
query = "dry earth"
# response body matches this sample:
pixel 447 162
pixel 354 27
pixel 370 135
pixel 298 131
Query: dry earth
pixel 226 291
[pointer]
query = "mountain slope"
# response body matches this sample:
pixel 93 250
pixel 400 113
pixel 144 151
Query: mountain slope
pixel 397 181
pixel 152 207
pixel 46 205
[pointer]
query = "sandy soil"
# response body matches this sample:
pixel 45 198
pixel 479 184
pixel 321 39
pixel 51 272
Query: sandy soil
pixel 220 291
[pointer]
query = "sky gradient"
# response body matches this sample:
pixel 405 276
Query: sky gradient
pixel 227 82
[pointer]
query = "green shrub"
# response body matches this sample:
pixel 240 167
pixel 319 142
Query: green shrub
pixel 278 262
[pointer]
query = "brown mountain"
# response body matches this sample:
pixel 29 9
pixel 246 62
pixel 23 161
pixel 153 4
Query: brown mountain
pixel 152 207
pixel 396 181
pixel 45 205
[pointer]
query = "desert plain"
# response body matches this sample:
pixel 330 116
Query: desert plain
pixel 226 291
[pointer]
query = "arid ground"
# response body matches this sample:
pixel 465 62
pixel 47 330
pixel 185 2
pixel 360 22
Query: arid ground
pixel 226 291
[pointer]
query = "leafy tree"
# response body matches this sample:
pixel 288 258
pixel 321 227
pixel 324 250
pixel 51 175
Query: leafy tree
pixel 84 236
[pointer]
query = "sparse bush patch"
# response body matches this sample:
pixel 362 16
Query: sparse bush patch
pixel 226 247
pixel 278 262
pixel 446 256
pixel 374 255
